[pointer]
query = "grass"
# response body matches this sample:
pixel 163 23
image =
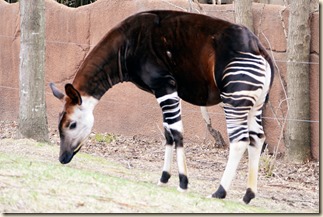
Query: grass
pixel 32 180
pixel 267 163
pixel 105 138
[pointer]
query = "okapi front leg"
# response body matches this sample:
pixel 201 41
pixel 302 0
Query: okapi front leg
pixel 181 160
pixel 168 159
pixel 171 107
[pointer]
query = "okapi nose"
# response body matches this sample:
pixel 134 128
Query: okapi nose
pixel 66 157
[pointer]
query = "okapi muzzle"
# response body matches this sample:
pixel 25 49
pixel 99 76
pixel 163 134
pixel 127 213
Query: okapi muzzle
pixel 75 122
pixel 66 152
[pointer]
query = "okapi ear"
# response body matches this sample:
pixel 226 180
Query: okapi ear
pixel 56 92
pixel 73 94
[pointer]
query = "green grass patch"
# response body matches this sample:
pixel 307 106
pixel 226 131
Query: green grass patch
pixel 105 138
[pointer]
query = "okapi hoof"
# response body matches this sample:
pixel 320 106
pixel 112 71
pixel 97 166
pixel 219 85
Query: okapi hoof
pixel 249 196
pixel 220 193
pixel 183 182
pixel 164 179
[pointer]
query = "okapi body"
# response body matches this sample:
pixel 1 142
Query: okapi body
pixel 177 55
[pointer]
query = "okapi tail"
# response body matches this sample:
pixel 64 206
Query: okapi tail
pixel 264 53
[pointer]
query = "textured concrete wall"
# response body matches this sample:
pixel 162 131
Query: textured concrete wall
pixel 72 33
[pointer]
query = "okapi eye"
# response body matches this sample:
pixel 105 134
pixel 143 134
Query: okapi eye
pixel 73 126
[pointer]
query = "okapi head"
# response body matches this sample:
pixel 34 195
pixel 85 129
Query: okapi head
pixel 75 121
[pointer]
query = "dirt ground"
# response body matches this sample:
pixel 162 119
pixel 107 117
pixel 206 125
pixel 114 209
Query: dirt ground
pixel 290 187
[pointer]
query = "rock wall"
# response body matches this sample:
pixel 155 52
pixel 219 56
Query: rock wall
pixel 71 33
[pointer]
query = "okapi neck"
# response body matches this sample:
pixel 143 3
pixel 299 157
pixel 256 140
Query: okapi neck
pixel 102 69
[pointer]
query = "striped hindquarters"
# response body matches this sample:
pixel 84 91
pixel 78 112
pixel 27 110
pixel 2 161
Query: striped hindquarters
pixel 244 89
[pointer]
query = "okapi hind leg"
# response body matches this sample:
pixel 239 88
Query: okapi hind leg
pixel 235 154
pixel 245 84
pixel 245 132
pixel 171 108
pixel 237 127
pixel 257 139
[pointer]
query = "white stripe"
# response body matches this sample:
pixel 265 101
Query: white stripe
pixel 262 66
pixel 168 96
pixel 172 110
pixel 238 115
pixel 177 126
pixel 247 93
pixel 254 55
pixel 173 117
pixel 242 82
pixel 242 98
pixel 242 72
pixel 170 105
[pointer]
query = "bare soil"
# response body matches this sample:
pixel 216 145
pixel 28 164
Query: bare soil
pixel 289 187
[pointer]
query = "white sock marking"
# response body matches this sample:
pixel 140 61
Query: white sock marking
pixel 235 154
pixel 181 161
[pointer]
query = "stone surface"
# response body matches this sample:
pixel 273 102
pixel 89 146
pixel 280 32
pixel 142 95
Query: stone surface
pixel 72 32
pixel 271 23
pixel 315 104
pixel 315 26
pixel 9 60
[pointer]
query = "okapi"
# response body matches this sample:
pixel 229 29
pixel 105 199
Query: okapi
pixel 177 55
